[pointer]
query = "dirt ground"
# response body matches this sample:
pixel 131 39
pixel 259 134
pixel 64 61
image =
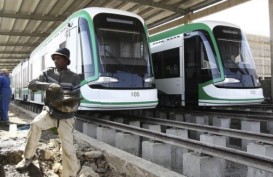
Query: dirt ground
pixel 48 164
pixel 12 145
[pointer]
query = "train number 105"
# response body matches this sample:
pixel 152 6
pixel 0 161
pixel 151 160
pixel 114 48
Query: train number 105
pixel 135 94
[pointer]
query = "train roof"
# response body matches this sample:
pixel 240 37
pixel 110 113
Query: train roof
pixel 212 24
pixel 208 25
pixel 92 11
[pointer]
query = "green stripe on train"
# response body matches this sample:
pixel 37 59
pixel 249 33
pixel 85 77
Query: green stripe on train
pixel 117 103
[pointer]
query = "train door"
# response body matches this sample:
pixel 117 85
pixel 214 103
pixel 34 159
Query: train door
pixel 167 71
pixel 191 65
pixel 200 66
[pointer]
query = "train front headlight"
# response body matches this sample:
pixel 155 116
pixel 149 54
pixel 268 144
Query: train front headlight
pixel 104 80
pixel 150 80
pixel 228 81
pixel 258 83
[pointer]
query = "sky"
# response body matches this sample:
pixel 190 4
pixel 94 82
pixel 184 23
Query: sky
pixel 252 17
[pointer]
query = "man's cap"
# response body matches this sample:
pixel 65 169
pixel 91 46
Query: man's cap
pixel 63 52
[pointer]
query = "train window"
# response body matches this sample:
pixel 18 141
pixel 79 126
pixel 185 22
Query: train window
pixel 123 50
pixel 48 62
pixel 36 68
pixel 236 57
pixel 207 57
pixel 62 45
pixel 86 49
pixel 31 72
pixel 190 53
pixel 71 44
pixel 209 64
pixel 234 49
pixel 43 62
pixel 200 57
pixel 25 77
pixel 166 64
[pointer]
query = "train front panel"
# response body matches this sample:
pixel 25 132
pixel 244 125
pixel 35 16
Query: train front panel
pixel 204 64
pixel 240 84
pixel 119 73
pixel 109 50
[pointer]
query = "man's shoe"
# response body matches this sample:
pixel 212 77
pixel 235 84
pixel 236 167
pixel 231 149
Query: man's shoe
pixel 4 122
pixel 23 164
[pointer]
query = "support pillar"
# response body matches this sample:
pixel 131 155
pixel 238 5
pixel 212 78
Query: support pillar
pixel 128 142
pixel 195 165
pixel 223 122
pixel 177 152
pixel 270 5
pixel 260 150
pixel 253 126
pixel 158 153
pixel 90 129
pixel 106 135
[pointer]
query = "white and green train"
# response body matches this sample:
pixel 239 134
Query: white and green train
pixel 204 64
pixel 109 49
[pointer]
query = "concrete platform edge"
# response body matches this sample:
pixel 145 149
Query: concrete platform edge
pixel 126 163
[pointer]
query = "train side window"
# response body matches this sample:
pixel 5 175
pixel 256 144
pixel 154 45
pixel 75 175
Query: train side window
pixel 25 77
pixel 191 54
pixel 209 66
pixel 71 44
pixel 48 62
pixel 88 67
pixel 166 64
pixel 204 58
pixel 43 62
pixel 200 57
pixel 62 45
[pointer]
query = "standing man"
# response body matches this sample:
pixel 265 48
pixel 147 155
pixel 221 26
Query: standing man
pixel 5 91
pixel 61 102
pixel 1 120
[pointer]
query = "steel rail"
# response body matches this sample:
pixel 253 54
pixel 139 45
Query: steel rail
pixel 240 112
pixel 244 116
pixel 260 137
pixel 233 155
pixel 261 106
pixel 241 116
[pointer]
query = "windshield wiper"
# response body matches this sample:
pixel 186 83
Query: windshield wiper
pixel 236 66
pixel 116 59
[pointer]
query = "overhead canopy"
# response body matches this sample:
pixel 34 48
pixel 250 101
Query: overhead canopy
pixel 24 24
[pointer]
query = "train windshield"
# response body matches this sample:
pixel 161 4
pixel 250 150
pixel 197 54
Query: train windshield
pixel 238 63
pixel 123 50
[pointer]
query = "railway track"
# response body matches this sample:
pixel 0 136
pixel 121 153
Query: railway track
pixel 233 155
pixel 233 114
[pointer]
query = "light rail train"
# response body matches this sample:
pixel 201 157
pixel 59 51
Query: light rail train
pixel 204 64
pixel 109 50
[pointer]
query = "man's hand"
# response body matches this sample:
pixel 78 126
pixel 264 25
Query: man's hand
pixel 54 87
